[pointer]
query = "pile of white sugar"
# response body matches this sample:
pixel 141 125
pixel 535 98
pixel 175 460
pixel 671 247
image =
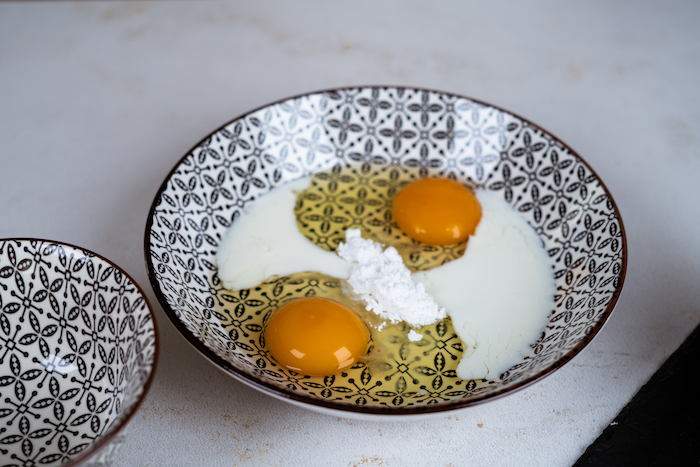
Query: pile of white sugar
pixel 385 284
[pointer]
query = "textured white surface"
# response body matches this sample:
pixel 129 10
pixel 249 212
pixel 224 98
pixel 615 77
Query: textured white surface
pixel 99 100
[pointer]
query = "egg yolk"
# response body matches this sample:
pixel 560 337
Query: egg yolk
pixel 436 211
pixel 316 336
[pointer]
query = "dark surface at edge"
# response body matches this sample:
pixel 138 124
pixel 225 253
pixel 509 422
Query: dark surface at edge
pixel 661 424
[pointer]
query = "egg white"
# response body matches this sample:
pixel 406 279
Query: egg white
pixel 499 294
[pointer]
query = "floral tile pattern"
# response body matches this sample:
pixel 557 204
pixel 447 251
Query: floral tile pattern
pixel 77 353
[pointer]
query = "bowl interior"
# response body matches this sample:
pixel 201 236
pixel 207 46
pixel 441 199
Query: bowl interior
pixel 394 134
pixel 77 350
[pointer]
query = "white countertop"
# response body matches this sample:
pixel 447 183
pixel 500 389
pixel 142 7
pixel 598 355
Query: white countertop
pixel 99 100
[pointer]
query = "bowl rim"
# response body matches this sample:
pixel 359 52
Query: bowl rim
pixel 114 432
pixel 374 410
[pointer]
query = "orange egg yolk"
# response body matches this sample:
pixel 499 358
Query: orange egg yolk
pixel 436 211
pixel 316 336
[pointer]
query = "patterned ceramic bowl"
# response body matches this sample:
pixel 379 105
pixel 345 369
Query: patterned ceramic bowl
pixel 362 144
pixel 78 348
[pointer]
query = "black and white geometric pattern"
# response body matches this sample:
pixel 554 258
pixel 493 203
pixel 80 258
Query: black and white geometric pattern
pixel 77 351
pixel 425 132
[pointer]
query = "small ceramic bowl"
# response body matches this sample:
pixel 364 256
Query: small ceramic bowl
pixel 78 349
pixel 372 138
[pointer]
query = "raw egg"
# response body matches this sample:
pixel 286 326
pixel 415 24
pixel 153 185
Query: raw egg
pixel 436 211
pixel 498 295
pixel 316 336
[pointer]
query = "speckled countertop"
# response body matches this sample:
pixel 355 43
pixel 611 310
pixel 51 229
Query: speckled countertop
pixel 100 99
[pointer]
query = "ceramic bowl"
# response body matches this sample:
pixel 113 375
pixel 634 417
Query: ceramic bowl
pixel 78 347
pixel 343 135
